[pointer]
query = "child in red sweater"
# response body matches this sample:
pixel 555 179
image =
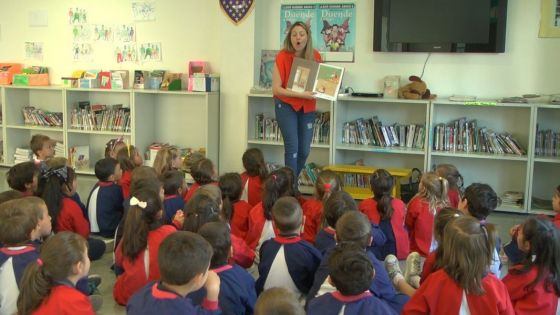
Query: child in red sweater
pixel 48 284
pixel 254 175
pixel 129 158
pixel 236 211
pixel 327 183
pixel 455 181
pixel 203 172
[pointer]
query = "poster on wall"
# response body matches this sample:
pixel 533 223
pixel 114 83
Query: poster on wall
pixel 149 52
pixel 77 16
pixel 550 18
pixel 125 53
pixel 125 33
pixel 268 58
pixel 82 52
pixel 81 33
pixel 333 27
pixel 34 50
pixel 143 11
pixel 102 32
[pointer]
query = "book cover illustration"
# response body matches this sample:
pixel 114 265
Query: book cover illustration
pixel 302 76
pixel 328 81
pixel 268 58
pixel 291 13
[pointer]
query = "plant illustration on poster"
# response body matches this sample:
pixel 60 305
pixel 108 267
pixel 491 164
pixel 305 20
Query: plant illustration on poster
pixel 144 11
pixel 333 27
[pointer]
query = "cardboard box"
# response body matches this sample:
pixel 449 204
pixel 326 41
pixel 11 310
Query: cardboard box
pixel 40 79
pixel 206 83
pixel 7 72
pixel 89 83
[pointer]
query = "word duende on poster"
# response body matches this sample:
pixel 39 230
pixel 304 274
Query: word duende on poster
pixel 333 27
pixel 322 79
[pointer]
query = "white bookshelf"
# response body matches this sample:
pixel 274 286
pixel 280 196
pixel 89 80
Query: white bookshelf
pixel 185 119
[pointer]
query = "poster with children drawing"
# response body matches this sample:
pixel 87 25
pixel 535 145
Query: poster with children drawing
pixel 150 52
pixel 81 33
pixel 125 53
pixel 77 16
pixel 82 52
pixel 291 13
pixel 102 32
pixel 144 11
pixel 34 50
pixel 125 33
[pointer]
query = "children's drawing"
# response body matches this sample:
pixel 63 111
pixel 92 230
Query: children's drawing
pixel 125 53
pixel 77 16
pixel 125 33
pixel 34 50
pixel 102 32
pixel 150 52
pixel 81 33
pixel 82 52
pixel 144 11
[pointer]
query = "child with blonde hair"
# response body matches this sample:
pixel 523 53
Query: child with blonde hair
pixel 455 181
pixel 167 158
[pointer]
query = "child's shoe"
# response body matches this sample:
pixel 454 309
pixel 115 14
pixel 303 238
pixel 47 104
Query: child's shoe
pixel 393 269
pixel 413 268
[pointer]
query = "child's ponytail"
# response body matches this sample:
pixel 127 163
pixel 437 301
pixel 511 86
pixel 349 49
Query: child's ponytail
pixel 253 162
pixel 50 189
pixel 231 186
pixel 327 183
pixel 144 215
pixel 58 256
pixel 276 185
pixel 382 185
pixel 434 190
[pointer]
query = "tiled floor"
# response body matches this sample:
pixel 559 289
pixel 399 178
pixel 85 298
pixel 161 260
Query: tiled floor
pixel 102 266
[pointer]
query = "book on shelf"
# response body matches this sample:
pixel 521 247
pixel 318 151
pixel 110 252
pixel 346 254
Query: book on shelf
pixel 322 79
pixel 99 117
pixel 22 155
pixel 78 157
pixel 59 149
pixel 547 143
pixel 38 117
pixel 268 59
pixel 463 135
pixel 266 128
pixel 372 132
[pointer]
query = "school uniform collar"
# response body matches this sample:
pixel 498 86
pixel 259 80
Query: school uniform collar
pixel 104 184
pixel 222 268
pixel 66 283
pixel 167 197
pixel 17 250
pixel 329 230
pixel 160 292
pixel 350 298
pixel 287 239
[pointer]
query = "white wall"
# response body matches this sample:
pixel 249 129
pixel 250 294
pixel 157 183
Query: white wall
pixel 196 29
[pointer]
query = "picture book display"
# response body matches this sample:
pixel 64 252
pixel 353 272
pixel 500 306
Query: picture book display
pixel 322 79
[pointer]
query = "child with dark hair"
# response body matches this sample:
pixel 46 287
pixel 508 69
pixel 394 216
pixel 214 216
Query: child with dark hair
pixel 479 200
pixel 136 253
pixel 254 176
pixel 351 273
pixel 48 284
pixel 463 285
pixel 237 287
pixel 129 158
pixel 276 185
pixel 236 211
pixel 105 201
pixel 203 172
pixel 389 214
pixel 183 260
pixel 21 222
pixel 327 183
pixel 42 146
pixel 455 181
pixel 534 284
pixel 353 227
pixel 113 146
pixel 23 177
pixel 56 187
pixel 287 251
pixel 278 301
pixel 173 187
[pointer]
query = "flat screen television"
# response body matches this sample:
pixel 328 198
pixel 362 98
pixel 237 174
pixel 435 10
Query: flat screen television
pixel 439 25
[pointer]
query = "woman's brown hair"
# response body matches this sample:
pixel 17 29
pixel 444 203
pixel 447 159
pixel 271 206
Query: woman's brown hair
pixel 468 248
pixel 164 159
pixel 308 53
pixel 58 256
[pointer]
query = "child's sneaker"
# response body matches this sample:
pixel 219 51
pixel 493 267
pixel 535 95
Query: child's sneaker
pixel 393 269
pixel 413 268
pixel 414 282
pixel 94 281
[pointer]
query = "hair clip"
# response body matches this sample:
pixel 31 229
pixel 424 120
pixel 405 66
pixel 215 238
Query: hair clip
pixel 327 187
pixel 39 262
pixel 61 173
pixel 135 202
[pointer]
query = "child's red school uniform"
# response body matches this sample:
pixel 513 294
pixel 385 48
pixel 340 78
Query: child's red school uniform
pixel 65 300
pixel 556 220
pixel 240 218
pixel 125 182
pixel 402 243
pixel 193 189
pixel 420 223
pixel 454 197
pixel 71 218
pixel 428 267
pixel 260 229
pixel 252 186
pixel 136 274
pixel 440 294
pixel 312 211
pixel 535 301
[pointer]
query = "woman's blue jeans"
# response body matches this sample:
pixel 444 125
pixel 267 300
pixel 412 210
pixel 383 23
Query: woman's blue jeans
pixel 297 131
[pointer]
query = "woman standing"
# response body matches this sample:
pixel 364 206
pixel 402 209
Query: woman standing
pixel 295 111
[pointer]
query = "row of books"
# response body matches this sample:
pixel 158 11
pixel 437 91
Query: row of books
pixel 356 180
pixel 78 156
pixel 371 131
pixel 22 155
pixel 464 135
pixel 266 128
pixel 308 175
pixel 100 117
pixel 547 143
pixel 38 117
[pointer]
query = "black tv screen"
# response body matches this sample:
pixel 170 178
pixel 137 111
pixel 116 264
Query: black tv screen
pixel 439 25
